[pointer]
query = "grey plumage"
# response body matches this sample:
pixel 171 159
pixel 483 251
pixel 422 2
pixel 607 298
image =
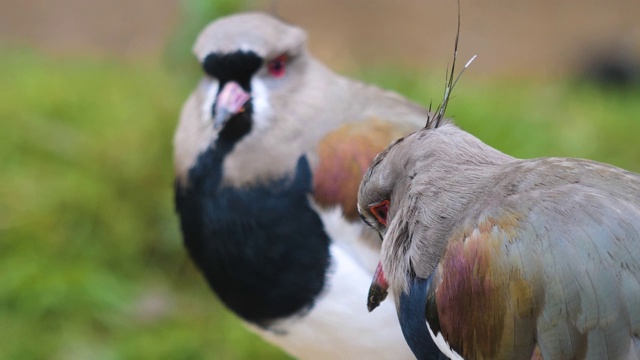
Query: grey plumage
pixel 261 185
pixel 311 96
pixel 537 258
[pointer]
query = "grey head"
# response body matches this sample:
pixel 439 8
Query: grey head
pixel 413 192
pixel 262 34
pixel 263 89
pixel 255 68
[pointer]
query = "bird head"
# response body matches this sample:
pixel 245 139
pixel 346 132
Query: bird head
pixel 412 194
pixel 247 59
pixel 254 67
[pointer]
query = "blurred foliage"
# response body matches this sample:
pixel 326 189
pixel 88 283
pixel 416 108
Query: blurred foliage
pixel 529 118
pixel 90 253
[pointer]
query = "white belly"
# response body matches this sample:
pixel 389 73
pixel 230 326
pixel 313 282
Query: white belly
pixel 339 325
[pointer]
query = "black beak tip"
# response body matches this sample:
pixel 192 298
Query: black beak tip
pixel 372 304
pixel 376 295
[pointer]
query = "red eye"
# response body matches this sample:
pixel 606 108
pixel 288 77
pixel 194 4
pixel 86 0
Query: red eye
pixel 277 65
pixel 380 211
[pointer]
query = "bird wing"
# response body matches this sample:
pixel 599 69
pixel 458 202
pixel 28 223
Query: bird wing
pixel 551 272
pixel 344 155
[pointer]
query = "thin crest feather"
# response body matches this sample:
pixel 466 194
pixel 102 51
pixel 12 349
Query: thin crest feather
pixel 434 120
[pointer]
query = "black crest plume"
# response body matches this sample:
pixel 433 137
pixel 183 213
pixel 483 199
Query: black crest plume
pixel 435 119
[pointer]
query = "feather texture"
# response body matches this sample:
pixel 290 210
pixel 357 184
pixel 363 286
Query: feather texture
pixel 527 258
pixel 266 189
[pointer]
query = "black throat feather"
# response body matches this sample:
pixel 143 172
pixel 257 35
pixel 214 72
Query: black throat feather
pixel 262 249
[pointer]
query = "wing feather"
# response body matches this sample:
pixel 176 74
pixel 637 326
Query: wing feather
pixel 345 155
pixel 571 269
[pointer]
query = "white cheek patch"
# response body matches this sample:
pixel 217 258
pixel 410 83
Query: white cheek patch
pixel 210 90
pixel 262 110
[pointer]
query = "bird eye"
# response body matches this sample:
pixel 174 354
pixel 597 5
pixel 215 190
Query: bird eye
pixel 380 211
pixel 277 65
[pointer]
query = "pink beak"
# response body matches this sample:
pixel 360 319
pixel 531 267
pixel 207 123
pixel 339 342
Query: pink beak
pixel 378 289
pixel 230 101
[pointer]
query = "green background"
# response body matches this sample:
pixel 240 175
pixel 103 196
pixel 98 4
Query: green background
pixel 91 261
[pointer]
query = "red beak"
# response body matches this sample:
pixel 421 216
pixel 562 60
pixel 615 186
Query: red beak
pixel 378 289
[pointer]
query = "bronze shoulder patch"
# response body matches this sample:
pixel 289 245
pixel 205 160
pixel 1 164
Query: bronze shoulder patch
pixel 344 156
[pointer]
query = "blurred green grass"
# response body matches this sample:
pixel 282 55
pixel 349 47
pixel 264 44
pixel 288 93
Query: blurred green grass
pixel 91 259
pixel 90 254
pixel 529 117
